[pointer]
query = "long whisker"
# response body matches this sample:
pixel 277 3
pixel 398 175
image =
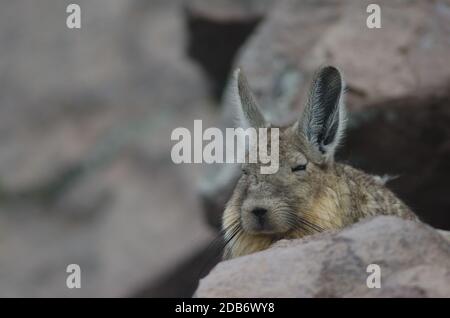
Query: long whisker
pixel 316 218
pixel 218 244
pixel 297 222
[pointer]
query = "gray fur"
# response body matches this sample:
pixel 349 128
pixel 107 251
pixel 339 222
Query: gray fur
pixel 323 120
pixel 249 113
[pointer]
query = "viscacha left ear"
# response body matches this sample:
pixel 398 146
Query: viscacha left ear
pixel 248 111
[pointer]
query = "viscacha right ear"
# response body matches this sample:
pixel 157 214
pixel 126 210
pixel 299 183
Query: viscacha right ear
pixel 323 119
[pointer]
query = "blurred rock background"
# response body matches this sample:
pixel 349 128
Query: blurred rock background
pixel 85 170
pixel 86 117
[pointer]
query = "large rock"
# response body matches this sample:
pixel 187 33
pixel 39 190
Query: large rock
pixel 85 170
pixel 66 90
pixel 407 54
pixel 408 139
pixel 216 30
pixel 414 261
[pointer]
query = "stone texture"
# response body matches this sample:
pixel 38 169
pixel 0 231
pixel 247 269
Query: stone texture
pixel 414 261
pixel 408 139
pixel 409 52
pixel 85 169
pixel 216 31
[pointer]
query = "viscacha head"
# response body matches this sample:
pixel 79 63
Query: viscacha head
pixel 267 207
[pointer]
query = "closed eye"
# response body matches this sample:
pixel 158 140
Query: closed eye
pixel 299 168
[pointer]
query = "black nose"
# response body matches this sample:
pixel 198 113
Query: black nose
pixel 259 212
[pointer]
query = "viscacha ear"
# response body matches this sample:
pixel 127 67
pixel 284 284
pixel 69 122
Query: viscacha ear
pixel 323 119
pixel 247 109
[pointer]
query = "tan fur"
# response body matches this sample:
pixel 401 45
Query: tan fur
pixel 325 196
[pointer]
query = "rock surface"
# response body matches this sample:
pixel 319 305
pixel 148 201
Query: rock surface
pixel 407 54
pixel 85 170
pixel 216 31
pixel 414 260
pixel 407 138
